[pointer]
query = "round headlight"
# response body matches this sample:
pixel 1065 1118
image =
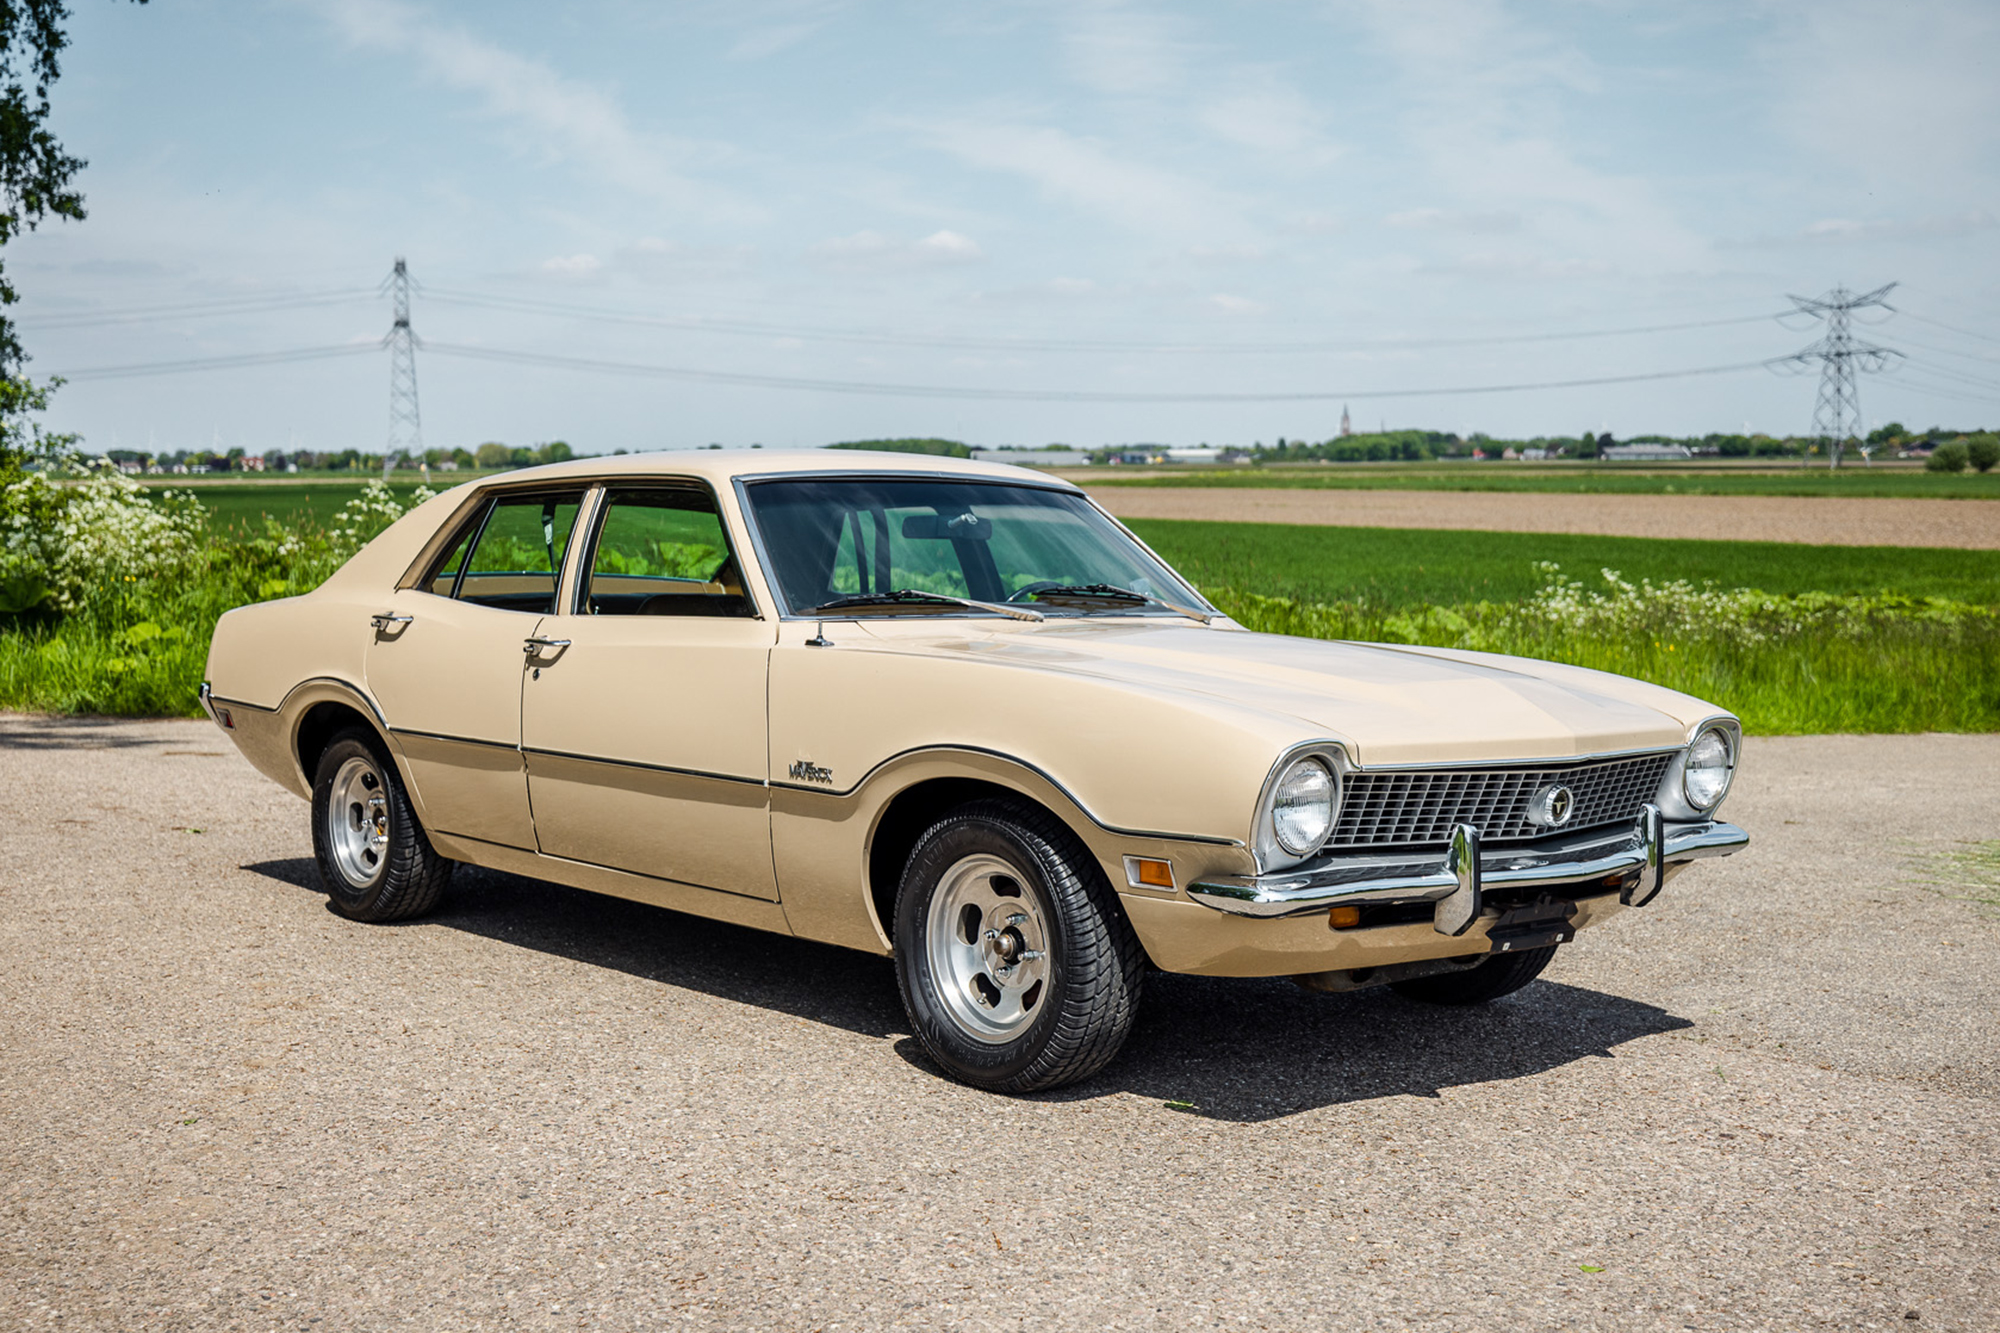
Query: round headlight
pixel 1705 775
pixel 1302 807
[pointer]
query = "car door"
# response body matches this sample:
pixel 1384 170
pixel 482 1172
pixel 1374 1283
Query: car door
pixel 644 729
pixel 447 662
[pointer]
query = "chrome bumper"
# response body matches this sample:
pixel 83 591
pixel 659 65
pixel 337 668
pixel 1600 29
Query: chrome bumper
pixel 1456 884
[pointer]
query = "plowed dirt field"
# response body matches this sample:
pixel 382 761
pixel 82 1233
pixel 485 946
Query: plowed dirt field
pixel 1961 524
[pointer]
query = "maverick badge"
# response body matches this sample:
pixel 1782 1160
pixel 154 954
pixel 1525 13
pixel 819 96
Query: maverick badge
pixel 805 770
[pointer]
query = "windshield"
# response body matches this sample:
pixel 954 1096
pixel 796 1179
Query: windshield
pixel 847 541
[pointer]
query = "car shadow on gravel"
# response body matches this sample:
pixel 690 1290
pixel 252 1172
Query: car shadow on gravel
pixel 1229 1049
pixel 819 982
pixel 1238 1049
pixel 23 732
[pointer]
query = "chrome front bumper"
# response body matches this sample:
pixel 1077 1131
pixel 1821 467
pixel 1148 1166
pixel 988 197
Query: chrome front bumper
pixel 1456 884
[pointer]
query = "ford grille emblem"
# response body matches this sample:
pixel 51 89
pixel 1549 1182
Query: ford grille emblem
pixel 1551 807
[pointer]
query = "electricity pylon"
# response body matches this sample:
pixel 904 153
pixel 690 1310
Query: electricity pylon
pixel 1837 411
pixel 406 432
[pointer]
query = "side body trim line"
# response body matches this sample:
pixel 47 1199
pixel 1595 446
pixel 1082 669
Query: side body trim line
pixel 1037 770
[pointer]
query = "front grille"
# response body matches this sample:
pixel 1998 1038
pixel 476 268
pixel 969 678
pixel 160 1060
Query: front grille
pixel 1418 808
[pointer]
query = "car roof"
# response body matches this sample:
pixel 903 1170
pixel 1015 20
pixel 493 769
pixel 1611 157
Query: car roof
pixel 723 465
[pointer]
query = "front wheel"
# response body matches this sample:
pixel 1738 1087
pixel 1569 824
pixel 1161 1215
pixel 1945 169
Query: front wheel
pixel 374 860
pixel 1016 966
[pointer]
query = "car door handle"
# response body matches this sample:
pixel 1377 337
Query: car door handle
pixel 383 619
pixel 536 643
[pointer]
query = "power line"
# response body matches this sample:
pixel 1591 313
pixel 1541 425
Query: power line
pixel 243 305
pixel 1034 395
pixel 1837 410
pixel 1952 328
pixel 202 363
pixel 756 329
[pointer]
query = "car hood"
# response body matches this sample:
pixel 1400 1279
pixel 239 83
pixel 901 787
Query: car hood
pixel 1388 703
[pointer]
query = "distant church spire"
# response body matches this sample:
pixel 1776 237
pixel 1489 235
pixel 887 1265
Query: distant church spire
pixel 1346 425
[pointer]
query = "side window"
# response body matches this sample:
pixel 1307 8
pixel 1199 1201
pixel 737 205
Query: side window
pixel 515 553
pixel 663 552
pixel 444 576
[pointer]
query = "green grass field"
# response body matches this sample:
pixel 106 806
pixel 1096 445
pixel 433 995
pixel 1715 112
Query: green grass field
pixel 1397 567
pixel 232 503
pixel 1580 479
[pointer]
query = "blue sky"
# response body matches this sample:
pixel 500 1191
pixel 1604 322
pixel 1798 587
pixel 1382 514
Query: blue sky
pixel 1251 199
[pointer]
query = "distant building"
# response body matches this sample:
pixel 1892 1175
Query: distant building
pixel 1032 457
pixel 1346 422
pixel 1644 453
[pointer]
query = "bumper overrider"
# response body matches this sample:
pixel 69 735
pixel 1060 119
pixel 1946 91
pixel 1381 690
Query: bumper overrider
pixel 1636 860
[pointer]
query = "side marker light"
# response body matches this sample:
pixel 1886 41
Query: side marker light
pixel 1343 918
pixel 1146 873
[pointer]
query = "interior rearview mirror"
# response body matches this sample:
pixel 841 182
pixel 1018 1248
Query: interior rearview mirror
pixel 948 527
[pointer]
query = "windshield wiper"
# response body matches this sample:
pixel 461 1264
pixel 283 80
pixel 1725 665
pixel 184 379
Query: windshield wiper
pixel 1107 592
pixel 918 597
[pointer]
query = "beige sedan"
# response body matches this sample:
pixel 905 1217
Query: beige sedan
pixel 955 713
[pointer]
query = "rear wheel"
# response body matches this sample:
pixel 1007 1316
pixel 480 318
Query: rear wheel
pixel 1502 974
pixel 1016 966
pixel 374 860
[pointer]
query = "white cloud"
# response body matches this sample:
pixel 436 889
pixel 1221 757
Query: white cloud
pixel 871 249
pixel 564 119
pixel 1902 93
pixel 1275 119
pixel 1844 231
pixel 1116 48
pixel 572 266
pixel 1445 219
pixel 1480 92
pixel 1237 305
pixel 1085 173
pixel 769 41
pixel 1488 264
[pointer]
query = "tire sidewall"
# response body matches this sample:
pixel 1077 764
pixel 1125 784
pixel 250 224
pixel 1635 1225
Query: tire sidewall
pixel 343 896
pixel 982 1063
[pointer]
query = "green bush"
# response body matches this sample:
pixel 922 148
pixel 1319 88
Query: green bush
pixel 1983 451
pixel 1952 456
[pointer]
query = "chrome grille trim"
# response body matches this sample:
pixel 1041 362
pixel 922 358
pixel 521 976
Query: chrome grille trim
pixel 1418 808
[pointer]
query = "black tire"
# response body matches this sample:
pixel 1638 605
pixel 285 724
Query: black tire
pixel 1502 974
pixel 1071 1020
pixel 402 876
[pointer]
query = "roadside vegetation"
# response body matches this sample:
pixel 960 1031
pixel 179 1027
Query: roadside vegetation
pixel 109 594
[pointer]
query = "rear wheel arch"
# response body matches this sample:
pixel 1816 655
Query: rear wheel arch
pixel 320 723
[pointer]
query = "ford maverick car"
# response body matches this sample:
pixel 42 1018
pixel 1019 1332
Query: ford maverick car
pixel 957 714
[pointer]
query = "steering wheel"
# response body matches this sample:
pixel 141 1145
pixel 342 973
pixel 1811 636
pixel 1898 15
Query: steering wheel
pixel 1023 594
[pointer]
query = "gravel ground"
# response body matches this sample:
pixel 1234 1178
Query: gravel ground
pixel 1830 521
pixel 1771 1101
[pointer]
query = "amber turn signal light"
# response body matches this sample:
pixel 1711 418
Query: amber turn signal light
pixel 1343 918
pixel 1153 874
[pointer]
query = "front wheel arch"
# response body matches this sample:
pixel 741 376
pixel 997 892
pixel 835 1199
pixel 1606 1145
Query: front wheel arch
pixel 911 813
